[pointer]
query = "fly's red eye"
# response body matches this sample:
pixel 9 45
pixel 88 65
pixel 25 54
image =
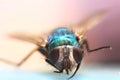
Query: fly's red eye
pixel 77 54
pixel 54 55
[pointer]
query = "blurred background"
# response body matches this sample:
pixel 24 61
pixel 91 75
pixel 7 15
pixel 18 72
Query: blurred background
pixel 39 16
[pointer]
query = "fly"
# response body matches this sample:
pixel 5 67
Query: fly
pixel 64 48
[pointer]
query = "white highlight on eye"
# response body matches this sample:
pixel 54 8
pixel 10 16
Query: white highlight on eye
pixel 60 53
pixel 71 57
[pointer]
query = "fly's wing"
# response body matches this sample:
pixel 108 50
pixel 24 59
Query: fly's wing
pixel 85 25
pixel 80 29
pixel 28 37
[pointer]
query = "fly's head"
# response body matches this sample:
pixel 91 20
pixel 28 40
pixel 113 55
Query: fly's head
pixel 65 57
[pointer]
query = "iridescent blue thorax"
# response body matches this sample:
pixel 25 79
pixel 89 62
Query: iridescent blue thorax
pixel 61 36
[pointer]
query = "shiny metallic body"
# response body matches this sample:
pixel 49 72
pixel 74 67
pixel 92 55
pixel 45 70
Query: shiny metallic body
pixel 61 36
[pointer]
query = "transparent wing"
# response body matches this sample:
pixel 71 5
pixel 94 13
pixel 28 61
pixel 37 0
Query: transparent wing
pixel 80 29
pixel 88 23
pixel 28 37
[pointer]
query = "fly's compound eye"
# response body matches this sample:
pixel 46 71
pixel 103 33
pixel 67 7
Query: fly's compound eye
pixel 77 54
pixel 54 55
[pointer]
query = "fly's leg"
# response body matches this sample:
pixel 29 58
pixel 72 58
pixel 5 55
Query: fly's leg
pixel 85 42
pixel 78 66
pixel 60 71
pixel 41 49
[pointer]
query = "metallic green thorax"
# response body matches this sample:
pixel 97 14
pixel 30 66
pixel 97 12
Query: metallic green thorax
pixel 61 36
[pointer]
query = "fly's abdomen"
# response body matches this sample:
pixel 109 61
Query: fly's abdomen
pixel 61 36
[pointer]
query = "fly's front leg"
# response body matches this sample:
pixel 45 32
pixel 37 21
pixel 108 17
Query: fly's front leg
pixel 75 70
pixel 85 42
pixel 43 51
pixel 59 71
